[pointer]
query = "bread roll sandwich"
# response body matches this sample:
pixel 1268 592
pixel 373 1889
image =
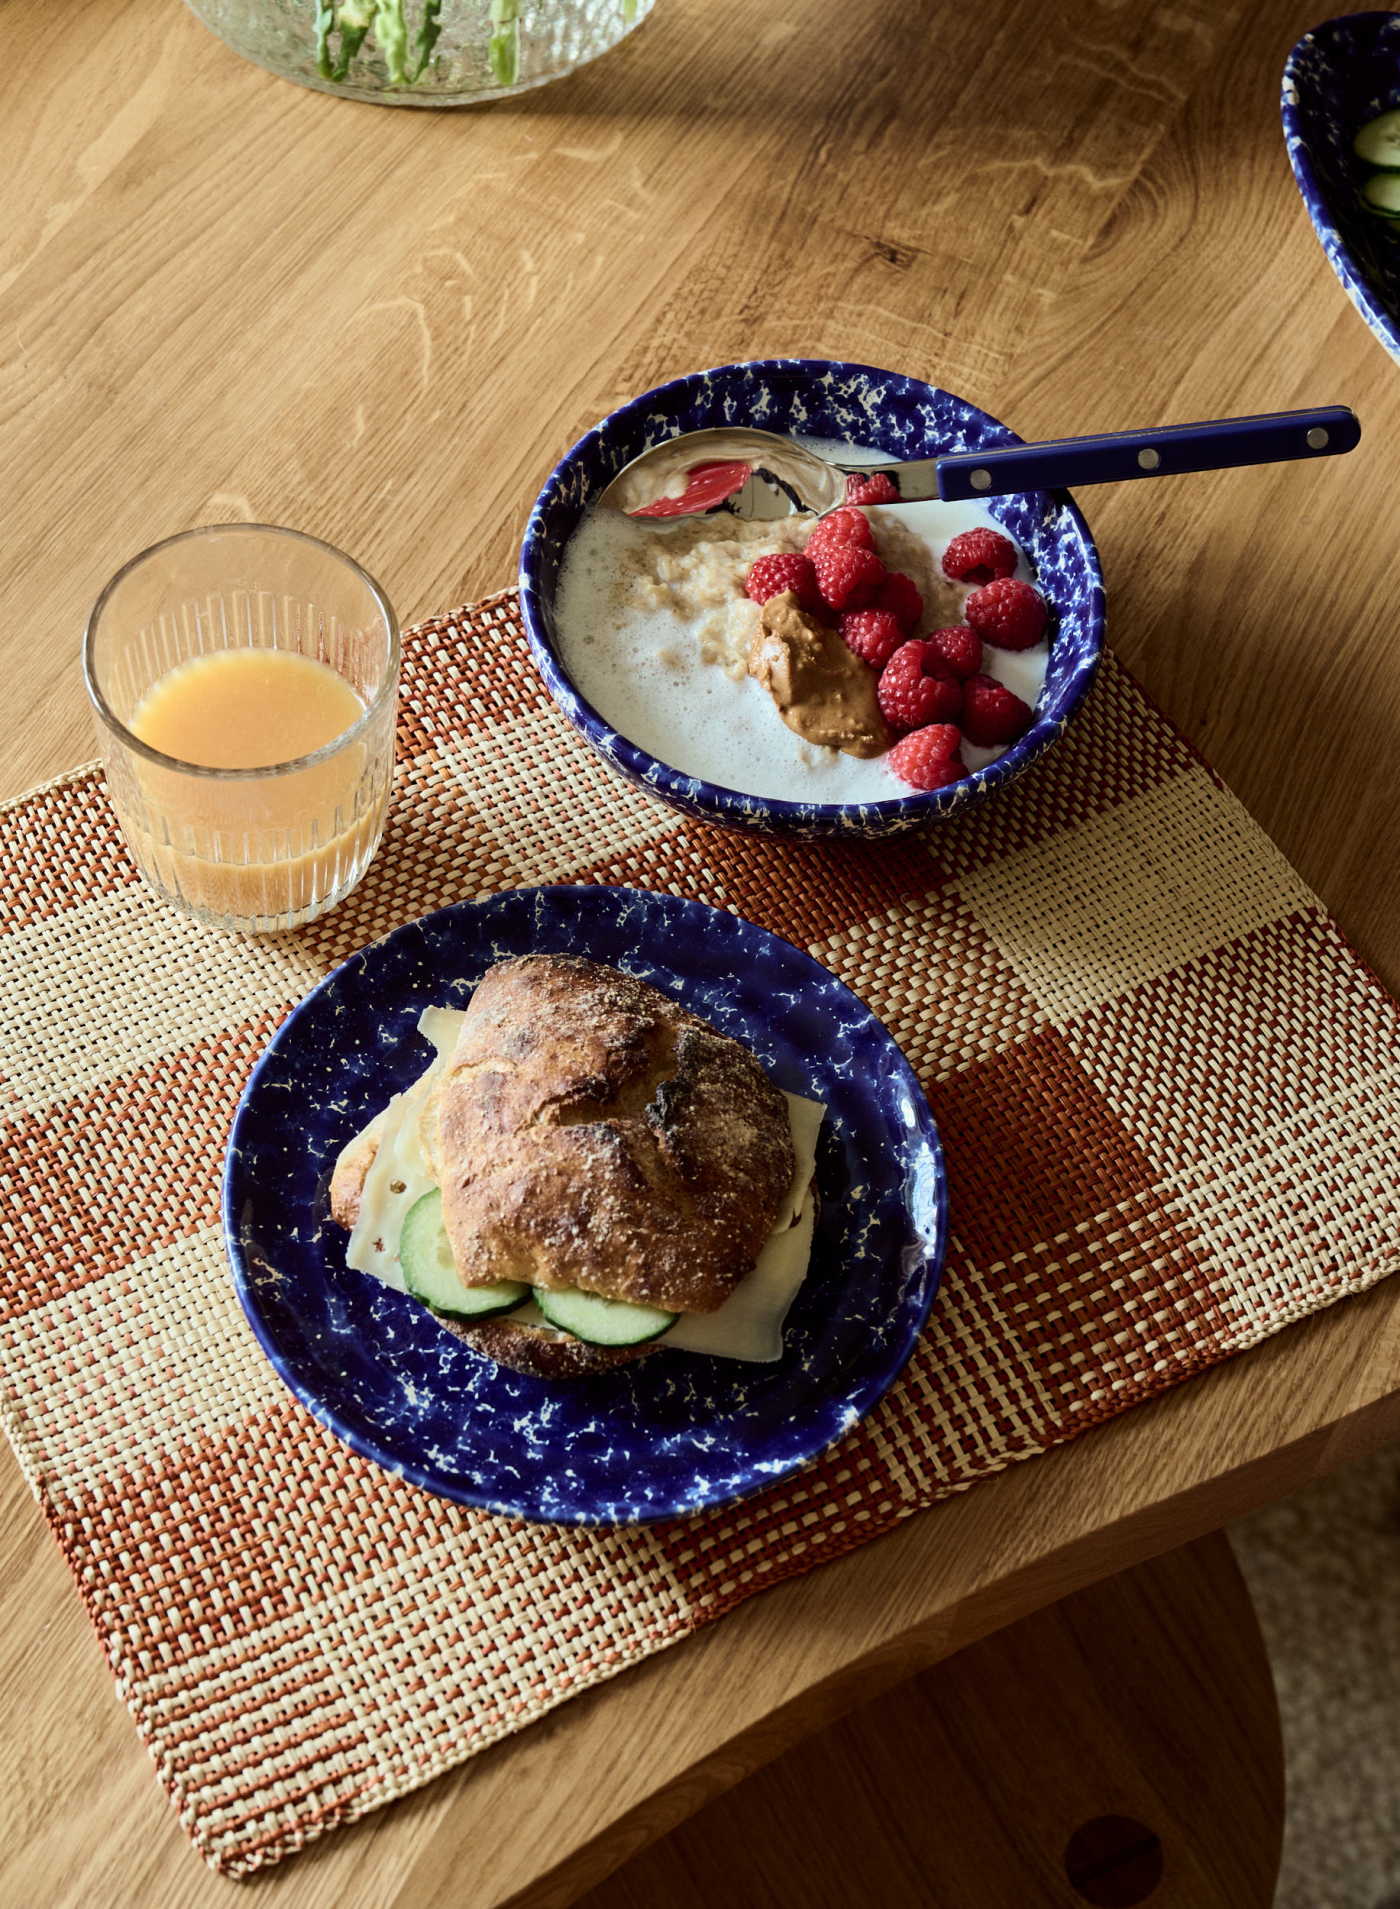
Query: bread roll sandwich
pixel 586 1173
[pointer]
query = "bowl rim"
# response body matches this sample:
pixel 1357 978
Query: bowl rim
pixel 639 765
pixel 1343 260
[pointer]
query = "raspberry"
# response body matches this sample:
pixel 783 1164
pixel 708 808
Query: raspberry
pixel 898 595
pixel 1008 613
pixel 991 713
pixel 979 556
pixel 847 576
pixel 960 648
pixel 786 570
pixel 841 527
pixel 874 635
pixel 879 489
pixel 916 687
pixel 929 758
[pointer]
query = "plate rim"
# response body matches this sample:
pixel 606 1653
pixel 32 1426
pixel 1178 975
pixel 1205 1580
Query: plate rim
pixel 424 1477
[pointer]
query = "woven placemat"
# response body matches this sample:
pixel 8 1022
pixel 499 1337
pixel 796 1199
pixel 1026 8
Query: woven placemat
pixel 1166 1086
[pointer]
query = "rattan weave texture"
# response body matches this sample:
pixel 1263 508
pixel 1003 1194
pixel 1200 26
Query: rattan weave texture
pixel 1166 1085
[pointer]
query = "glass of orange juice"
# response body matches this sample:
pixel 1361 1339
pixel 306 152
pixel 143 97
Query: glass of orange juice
pixel 245 684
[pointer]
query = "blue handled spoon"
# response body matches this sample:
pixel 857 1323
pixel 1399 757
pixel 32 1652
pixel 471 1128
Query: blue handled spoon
pixel 761 474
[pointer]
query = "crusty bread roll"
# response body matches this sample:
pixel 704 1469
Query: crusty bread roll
pixel 589 1132
pixel 592 1133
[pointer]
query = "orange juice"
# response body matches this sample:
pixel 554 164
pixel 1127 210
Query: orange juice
pixel 255 846
pixel 245 709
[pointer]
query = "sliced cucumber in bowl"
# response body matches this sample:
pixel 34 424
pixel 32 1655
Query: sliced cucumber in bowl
pixel 1381 194
pixel 602 1322
pixel 425 1254
pixel 1378 142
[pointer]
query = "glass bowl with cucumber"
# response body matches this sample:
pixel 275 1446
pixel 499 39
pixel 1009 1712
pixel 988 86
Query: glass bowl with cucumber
pixel 421 52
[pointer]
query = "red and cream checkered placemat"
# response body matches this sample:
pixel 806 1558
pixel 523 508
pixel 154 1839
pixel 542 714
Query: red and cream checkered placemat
pixel 1166 1086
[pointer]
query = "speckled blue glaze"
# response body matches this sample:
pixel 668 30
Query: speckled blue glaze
pixel 674 1432
pixel 1338 77
pixel 814 397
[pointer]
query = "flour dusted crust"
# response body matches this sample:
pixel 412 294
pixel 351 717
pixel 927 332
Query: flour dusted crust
pixel 351 1172
pixel 592 1133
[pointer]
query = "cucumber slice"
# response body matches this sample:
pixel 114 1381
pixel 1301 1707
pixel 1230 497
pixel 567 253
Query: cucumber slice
pixel 1378 142
pixel 425 1253
pixel 1381 194
pixel 602 1322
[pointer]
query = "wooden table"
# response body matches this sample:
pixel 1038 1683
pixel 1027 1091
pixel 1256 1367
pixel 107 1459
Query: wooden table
pixel 223 297
pixel 1121 1745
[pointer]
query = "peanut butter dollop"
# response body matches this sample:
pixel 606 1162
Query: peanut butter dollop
pixel 824 692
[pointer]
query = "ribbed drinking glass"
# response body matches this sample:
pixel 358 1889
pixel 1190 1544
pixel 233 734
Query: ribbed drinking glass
pixel 199 628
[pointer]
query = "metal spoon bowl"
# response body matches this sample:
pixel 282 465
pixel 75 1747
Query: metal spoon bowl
pixel 772 476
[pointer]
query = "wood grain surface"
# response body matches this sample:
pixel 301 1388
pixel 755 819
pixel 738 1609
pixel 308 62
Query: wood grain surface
pixel 1146 1697
pixel 224 297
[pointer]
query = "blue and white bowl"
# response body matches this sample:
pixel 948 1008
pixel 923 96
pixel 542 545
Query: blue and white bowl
pixel 1338 77
pixel 816 397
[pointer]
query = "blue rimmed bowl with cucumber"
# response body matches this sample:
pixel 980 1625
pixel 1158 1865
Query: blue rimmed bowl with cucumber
pixel 1341 124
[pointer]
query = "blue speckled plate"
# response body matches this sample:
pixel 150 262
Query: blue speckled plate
pixel 669 1434
pixel 1338 77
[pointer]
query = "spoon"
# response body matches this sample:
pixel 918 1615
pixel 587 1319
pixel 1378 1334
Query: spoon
pixel 762 474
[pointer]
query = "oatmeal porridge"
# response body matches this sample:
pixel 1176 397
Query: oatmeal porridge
pixel 656 630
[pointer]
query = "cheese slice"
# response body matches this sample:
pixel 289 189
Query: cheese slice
pixel 748 1326
pixel 441 1026
pixel 399 1175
